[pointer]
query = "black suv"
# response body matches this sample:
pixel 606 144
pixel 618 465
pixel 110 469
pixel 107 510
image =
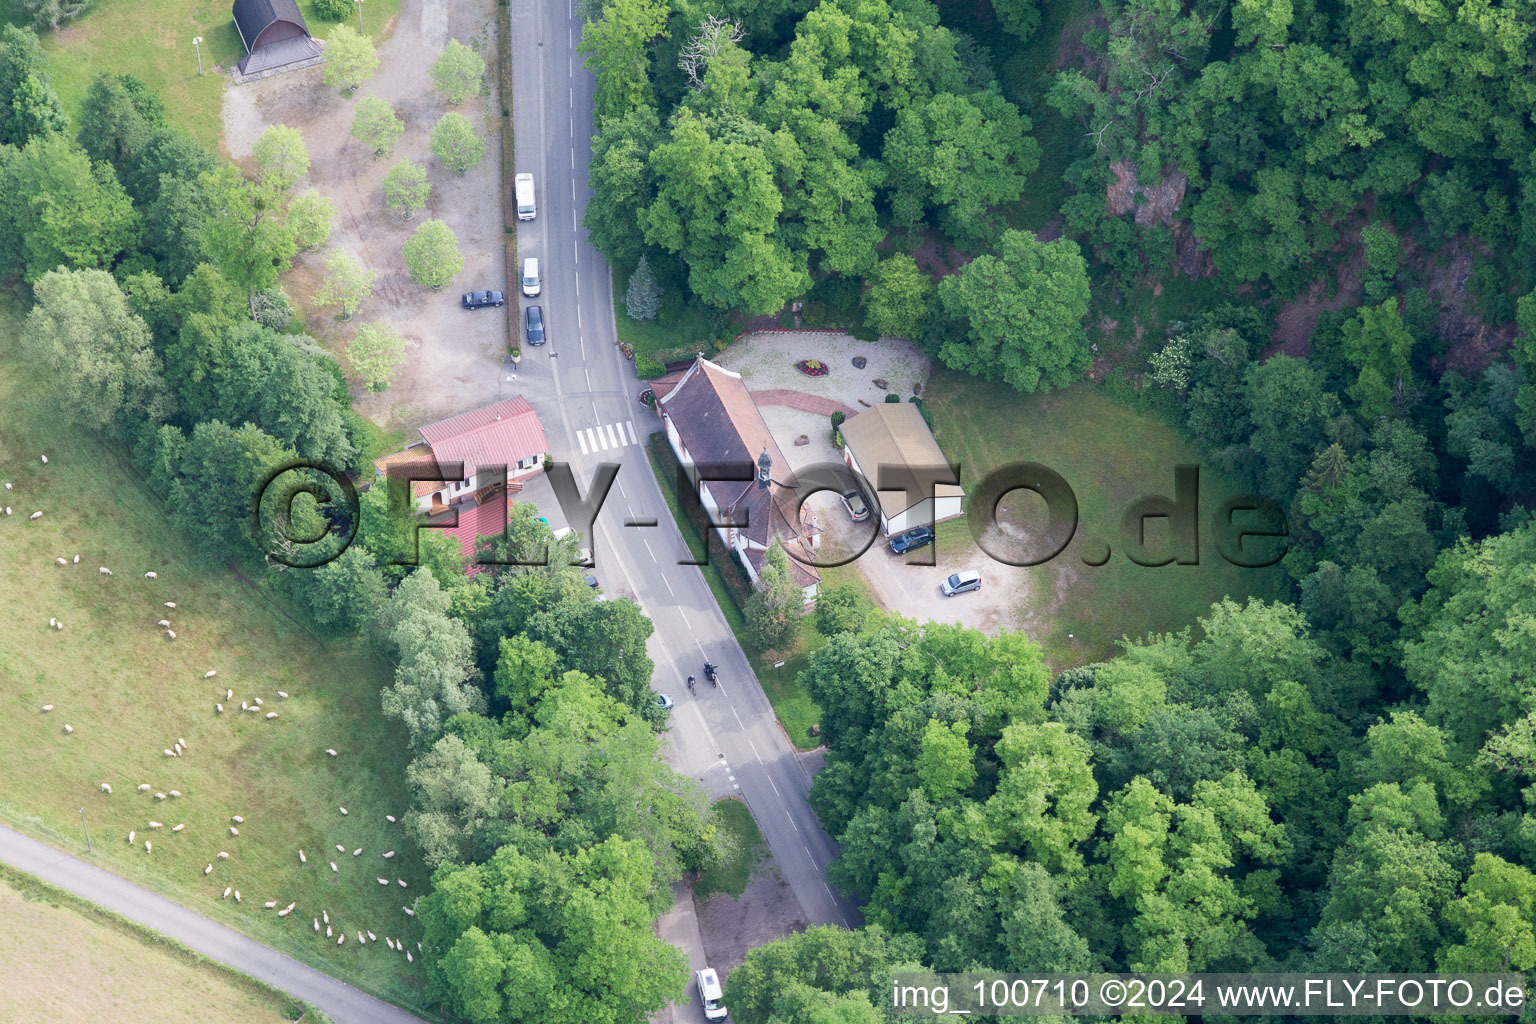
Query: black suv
pixel 479 300
pixel 533 316
pixel 918 536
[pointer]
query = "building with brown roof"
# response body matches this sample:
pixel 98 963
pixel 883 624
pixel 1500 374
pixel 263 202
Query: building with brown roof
pixel 710 420
pixel 506 437
pixel 893 435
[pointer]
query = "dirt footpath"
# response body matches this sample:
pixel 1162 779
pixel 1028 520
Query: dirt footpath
pixel 454 357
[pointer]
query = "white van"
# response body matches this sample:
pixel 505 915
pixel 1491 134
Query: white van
pixel 522 186
pixel 531 284
pixel 710 994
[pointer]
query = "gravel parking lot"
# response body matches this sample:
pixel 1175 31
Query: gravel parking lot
pixel 454 357
pixel 899 584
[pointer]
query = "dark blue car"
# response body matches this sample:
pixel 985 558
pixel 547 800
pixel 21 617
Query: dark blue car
pixel 918 536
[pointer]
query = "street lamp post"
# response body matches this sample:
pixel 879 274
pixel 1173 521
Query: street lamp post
pixel 197 44
pixel 359 14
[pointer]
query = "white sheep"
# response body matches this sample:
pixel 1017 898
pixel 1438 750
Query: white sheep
pixel 35 515
pixel 170 604
pixel 159 796
pixel 175 792
pixel 182 742
pixel 168 752
pixel 105 571
pixel 143 787
pixel 341 938
pixel 77 559
pixel 334 868
pixel 317 923
pixel 210 673
pixel 343 811
pixel 218 709
pixel 360 939
pixel 176 747
pixel 372 937
pixel 45 460
pixel 389 818
pixel 383 881
pixel 401 881
pixel 223 855
pixel 209 869
pixel 106 788
pixel 327 931
pixel 170 634
pixel 340 848
pixel 357 851
pixel 270 904
pixel 177 828
pixel 282 694
pixel 389 942
pixel 130 838
pixel 408 911
pixel 51 623
pixel 229 694
pixel 151 576
pixel 328 750
pixel 303 859
pixel 68 728
pixel 256 701
pixel 148 847
pixel 154 824
pixel 390 854
pixel 245 706
pixel 326 915
pixel 47 707
pixel 7 510
pixel 237 819
pixel 164 623
pixel 288 909
pixel 61 561
pixel 59 624
pixel 408 958
pixel 7 485
pixel 271 715
pixel 227 891
pixel 237 895
pixel 233 831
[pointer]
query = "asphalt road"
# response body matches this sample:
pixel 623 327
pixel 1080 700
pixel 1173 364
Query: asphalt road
pixel 344 1004
pixel 587 394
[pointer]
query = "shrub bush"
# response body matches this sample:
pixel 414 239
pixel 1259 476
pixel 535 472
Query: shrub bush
pixel 837 418
pixel 334 10
pixel 892 398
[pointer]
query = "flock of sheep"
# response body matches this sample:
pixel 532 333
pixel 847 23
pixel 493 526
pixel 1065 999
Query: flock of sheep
pixel 251 705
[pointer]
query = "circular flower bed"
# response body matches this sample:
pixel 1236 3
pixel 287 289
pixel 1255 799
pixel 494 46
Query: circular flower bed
pixel 812 367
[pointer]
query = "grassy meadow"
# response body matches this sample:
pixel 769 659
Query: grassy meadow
pixel 129 692
pixel 66 960
pixel 1110 455
pixel 747 850
pixel 153 40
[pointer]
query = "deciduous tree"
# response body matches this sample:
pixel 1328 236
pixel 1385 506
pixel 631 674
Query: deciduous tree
pixel 349 59
pixel 432 254
pixel 456 144
pixel 375 355
pixel 406 188
pixel 348 283
pixel 376 125
pixel 458 72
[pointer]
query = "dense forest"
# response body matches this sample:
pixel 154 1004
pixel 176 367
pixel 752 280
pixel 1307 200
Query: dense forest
pixel 1337 780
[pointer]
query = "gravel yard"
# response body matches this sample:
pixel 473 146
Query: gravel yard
pixel 767 360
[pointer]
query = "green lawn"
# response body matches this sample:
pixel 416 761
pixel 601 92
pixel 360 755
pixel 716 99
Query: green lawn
pixel 746 847
pixel 153 40
pixel 129 692
pixel 1110 455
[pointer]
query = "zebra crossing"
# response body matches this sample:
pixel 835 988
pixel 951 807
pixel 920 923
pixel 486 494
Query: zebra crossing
pixel 610 435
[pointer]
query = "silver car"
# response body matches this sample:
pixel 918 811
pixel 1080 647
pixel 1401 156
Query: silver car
pixel 961 583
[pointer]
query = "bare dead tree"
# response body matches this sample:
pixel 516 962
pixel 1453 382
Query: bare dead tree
pixel 714 34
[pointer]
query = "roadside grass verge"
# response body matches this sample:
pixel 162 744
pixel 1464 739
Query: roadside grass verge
pixel 152 39
pixel 745 846
pixel 1111 455
pixel 71 959
pixel 129 692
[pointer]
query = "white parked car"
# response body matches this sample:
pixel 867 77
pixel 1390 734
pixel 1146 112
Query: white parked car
pixel 961 583
pixel 710 994
pixel 531 284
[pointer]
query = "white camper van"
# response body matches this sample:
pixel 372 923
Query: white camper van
pixel 522 185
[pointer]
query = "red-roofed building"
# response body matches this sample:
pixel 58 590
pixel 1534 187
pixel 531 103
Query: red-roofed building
pixel 501 440
pixel 709 417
